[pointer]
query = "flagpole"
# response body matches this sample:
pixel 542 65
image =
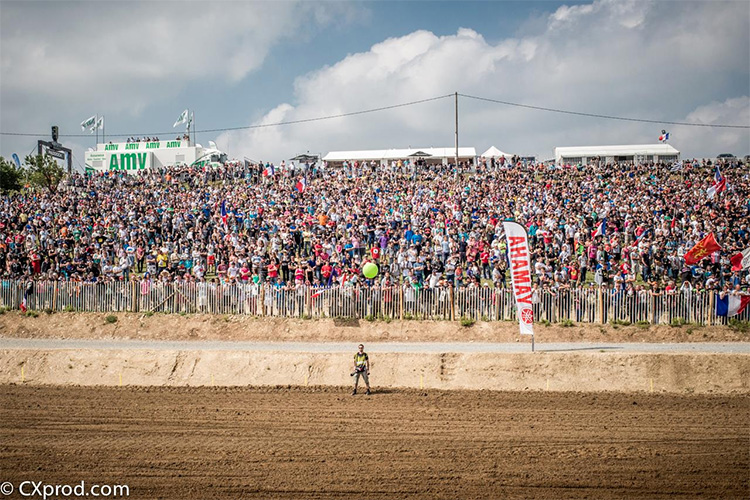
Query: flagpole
pixel 97 129
pixel 104 130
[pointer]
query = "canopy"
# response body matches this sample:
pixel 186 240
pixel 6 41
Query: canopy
pixel 493 152
pixel 420 154
pixel 305 157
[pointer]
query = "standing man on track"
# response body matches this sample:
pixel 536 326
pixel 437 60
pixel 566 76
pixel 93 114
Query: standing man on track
pixel 361 368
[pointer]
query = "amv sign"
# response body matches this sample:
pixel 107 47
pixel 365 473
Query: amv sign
pixel 130 161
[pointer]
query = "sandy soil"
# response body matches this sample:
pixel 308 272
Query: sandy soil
pixel 324 443
pixel 212 327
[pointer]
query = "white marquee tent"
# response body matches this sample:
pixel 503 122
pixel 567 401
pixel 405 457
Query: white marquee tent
pixel 383 155
pixel 493 152
pixel 612 154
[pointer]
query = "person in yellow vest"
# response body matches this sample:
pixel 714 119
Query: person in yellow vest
pixel 361 368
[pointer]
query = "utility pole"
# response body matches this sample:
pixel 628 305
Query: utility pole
pixel 456 133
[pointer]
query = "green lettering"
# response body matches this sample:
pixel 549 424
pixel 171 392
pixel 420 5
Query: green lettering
pixel 173 144
pixel 113 162
pixel 128 161
pixel 110 147
pixel 132 145
pixel 142 160
pixel 152 145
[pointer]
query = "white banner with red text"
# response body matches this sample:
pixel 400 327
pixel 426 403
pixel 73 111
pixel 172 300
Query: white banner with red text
pixel 520 271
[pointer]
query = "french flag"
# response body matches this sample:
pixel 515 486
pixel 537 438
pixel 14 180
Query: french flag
pixel 224 212
pixel 731 305
pixel 719 185
pixel 268 171
pixel 601 230
pixel 301 184
pixel 664 137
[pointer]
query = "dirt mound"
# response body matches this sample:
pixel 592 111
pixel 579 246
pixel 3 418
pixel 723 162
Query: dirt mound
pixel 212 327
pixel 303 444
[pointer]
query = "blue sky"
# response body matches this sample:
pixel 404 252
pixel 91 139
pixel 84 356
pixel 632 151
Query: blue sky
pixel 242 63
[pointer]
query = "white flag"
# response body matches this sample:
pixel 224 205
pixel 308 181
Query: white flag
pixel 182 119
pixel 88 122
pixel 98 125
pixel 520 272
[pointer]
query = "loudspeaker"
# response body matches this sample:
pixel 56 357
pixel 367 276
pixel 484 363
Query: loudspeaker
pixel 55 131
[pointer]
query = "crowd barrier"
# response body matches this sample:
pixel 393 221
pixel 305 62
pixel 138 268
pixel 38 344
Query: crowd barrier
pixel 598 306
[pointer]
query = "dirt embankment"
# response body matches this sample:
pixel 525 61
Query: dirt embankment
pixel 580 371
pixel 212 327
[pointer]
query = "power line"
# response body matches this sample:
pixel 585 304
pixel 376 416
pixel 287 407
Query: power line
pixel 411 103
pixel 607 117
pixel 249 127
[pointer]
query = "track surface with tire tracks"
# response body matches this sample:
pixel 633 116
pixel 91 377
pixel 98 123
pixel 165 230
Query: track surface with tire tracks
pixel 309 443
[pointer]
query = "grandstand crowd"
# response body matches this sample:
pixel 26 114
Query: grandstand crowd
pixel 429 226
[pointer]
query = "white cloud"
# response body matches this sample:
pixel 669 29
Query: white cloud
pixel 636 59
pixel 128 55
pixel 723 140
pixel 62 61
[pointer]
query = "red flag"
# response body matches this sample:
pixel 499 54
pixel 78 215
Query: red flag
pixel 702 249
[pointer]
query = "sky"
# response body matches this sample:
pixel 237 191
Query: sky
pixel 245 64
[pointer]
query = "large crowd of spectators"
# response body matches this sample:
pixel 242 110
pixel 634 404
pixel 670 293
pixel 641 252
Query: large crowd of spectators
pixel 431 226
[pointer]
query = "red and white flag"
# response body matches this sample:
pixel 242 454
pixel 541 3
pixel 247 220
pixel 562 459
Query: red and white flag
pixel 520 272
pixel 23 305
pixel 741 260
pixel 301 184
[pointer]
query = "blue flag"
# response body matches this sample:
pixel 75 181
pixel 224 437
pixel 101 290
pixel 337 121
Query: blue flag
pixel 16 160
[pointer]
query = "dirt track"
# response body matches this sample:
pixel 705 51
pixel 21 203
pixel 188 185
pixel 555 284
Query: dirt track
pixel 323 443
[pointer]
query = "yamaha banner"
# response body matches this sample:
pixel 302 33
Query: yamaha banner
pixel 520 271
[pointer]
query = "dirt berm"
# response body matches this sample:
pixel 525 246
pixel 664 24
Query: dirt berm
pixel 213 327
pixel 589 370
pixel 570 371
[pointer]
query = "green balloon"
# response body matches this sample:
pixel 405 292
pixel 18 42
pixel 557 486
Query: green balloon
pixel 370 270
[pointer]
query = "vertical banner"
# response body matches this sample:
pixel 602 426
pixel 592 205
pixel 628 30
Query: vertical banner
pixel 520 272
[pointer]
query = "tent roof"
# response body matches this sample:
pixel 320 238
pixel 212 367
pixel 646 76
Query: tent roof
pixel 398 154
pixel 623 150
pixel 496 153
pixel 304 157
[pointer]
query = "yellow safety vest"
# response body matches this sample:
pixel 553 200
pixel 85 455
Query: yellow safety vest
pixel 360 359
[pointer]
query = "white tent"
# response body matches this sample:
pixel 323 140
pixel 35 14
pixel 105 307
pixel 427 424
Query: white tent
pixel 612 154
pixel 447 154
pixel 493 152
